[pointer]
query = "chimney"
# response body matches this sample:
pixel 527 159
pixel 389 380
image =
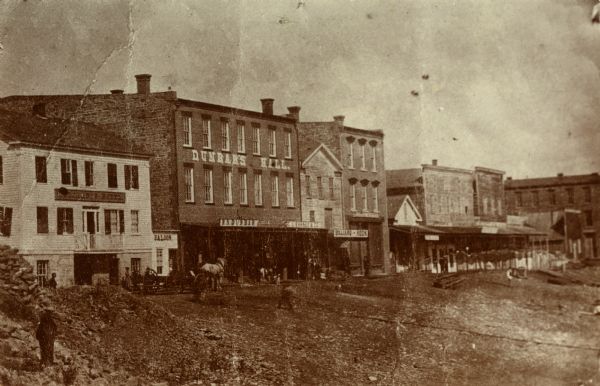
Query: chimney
pixel 143 83
pixel 339 119
pixel 434 162
pixel 116 92
pixel 509 178
pixel 267 106
pixel 560 175
pixel 294 112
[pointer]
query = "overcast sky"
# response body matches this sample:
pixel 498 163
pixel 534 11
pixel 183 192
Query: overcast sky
pixel 513 84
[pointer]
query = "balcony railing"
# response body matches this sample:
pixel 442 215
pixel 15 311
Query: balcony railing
pixel 98 242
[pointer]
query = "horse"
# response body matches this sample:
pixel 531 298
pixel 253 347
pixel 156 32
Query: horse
pixel 214 272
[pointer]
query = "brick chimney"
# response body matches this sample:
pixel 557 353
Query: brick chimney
pixel 267 106
pixel 116 92
pixel 294 112
pixel 339 119
pixel 143 83
pixel 434 162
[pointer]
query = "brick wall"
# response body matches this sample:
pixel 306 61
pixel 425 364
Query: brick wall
pixel 448 196
pixel 489 204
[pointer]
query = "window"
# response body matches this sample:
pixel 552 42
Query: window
pixel 159 260
pixel 41 271
pixel 499 206
pixel 289 191
pixel 68 172
pixel 89 173
pixel 272 142
pixel 5 221
pixel 589 218
pixel 288 144
pixel 255 139
pixel 552 196
pixel 274 190
pixel 258 195
pixel 135 221
pixel 375 198
pixel 187 129
pixel 114 221
pixel 519 198
pixel 320 188
pixel 350 155
pixel 208 186
pixel 136 264
pixel 64 221
pixel 112 175
pixel 374 157
pixel 131 177
pixel 42 219
pixel 331 195
pixel 206 132
pixel 227 192
pixel 570 195
pixel 189 183
pixel 241 137
pixel 311 216
pixel 307 183
pixel 536 198
pixel 40 170
pixel 365 206
pixel 363 161
pixel 587 194
pixel 243 188
pixel 225 143
pixel 353 196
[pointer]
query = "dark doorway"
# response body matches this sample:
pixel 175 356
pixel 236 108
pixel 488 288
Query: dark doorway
pixel 86 266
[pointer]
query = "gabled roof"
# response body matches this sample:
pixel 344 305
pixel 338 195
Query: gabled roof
pixel 328 154
pixel 395 204
pixel 581 179
pixel 17 128
pixel 402 178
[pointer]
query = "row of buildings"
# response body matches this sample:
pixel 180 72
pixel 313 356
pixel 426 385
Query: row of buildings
pixel 93 184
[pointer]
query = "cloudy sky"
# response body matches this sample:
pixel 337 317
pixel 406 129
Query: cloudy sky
pixel 512 84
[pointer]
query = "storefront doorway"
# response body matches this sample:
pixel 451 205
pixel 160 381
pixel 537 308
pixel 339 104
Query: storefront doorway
pixel 96 268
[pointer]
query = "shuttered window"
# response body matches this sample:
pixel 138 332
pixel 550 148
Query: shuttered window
pixel 64 221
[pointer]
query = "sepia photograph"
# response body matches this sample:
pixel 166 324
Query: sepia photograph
pixel 299 192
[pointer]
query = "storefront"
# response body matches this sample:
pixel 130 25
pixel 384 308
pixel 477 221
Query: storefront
pixel 164 252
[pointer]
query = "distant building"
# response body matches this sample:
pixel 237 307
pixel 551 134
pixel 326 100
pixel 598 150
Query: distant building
pixel 76 207
pixel 364 233
pixel 546 202
pixel 453 210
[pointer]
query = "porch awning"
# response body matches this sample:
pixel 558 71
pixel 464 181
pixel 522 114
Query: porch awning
pixel 415 229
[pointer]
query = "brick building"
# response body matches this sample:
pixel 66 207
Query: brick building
pixel 224 181
pixel 74 207
pixel 364 232
pixel 459 210
pixel 544 201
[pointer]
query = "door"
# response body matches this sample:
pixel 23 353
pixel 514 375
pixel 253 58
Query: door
pixel 588 248
pixel 90 226
pixel 172 260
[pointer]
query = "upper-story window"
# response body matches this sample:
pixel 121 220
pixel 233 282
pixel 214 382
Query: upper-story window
pixel 331 195
pixel 41 174
pixel 208 186
pixel 363 161
pixel 536 198
pixel 68 172
pixel 64 221
pixel 289 190
pixel 570 195
pixel 187 128
pixel 552 196
pixel 114 221
pixel 188 171
pixel 288 144
pixel 89 173
pixel 241 137
pixel 1 170
pixel 320 187
pixel 135 221
pixel 274 190
pixel 373 156
pixel 42 219
pixel 272 142
pixel 227 189
pixel 307 185
pixel 375 197
pixel 5 220
pixel 350 162
pixel 353 196
pixel 131 177
pixel 225 140
pixel 587 194
pixel 258 191
pixel 519 198
pixel 256 139
pixel 243 188
pixel 206 132
pixel 112 175
pixel 365 201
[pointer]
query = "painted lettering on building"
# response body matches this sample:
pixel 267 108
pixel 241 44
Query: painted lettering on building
pixel 226 222
pixel 64 194
pixel 273 163
pixel 162 237
pixel 222 158
pixel 303 224
pixel 432 237
pixel 351 233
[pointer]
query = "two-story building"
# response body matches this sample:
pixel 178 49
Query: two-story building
pixel 547 201
pixel 76 207
pixel 364 235
pixel 224 181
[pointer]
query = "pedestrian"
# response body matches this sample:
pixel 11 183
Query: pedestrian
pixel 126 281
pixel 52 281
pixel 46 334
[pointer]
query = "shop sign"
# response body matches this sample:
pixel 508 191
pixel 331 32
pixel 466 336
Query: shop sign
pixel 432 237
pixel 303 224
pixel 219 158
pixel 63 194
pixel 273 163
pixel 489 230
pixel 163 236
pixel 366 214
pixel 237 222
pixel 351 233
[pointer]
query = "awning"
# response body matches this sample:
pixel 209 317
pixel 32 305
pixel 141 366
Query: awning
pixel 414 229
